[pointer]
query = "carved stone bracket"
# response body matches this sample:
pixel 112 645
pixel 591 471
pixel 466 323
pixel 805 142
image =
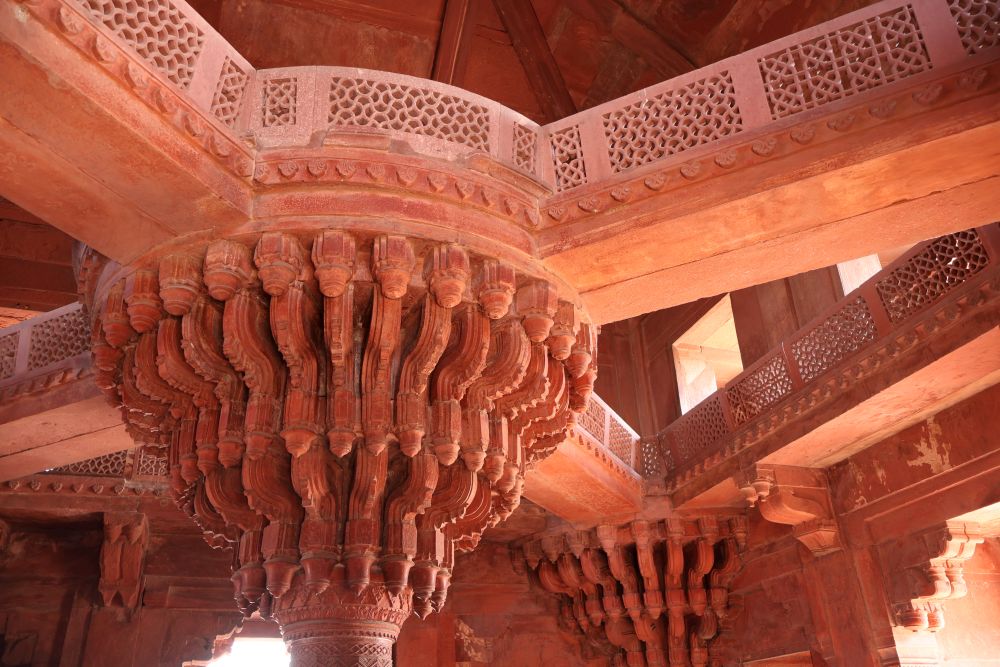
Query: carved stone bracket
pixel 798 497
pixel 930 571
pixel 647 593
pixel 123 558
pixel 345 411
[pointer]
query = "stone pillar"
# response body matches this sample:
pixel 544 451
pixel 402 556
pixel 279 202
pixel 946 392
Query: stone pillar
pixel 336 627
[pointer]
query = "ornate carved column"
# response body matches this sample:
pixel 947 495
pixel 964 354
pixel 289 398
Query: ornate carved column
pixel 344 409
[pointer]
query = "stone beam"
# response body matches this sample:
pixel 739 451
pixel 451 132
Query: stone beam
pixel 51 411
pixel 705 229
pixel 67 434
pixel 583 483
pixel 452 53
pixel 757 167
pixel 532 48
pixel 106 149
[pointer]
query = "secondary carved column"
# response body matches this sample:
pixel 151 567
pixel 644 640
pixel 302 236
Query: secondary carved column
pixel 345 411
pixel 611 583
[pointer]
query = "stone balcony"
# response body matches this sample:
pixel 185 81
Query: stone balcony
pixel 920 332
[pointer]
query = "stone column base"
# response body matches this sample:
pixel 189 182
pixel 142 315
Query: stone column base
pixel 341 643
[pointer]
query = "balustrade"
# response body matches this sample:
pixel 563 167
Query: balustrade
pixel 844 343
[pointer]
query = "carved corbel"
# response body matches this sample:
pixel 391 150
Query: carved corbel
pixel 622 570
pixel 465 532
pixel 175 371
pixel 676 599
pixel 504 372
pixel 527 424
pixel 447 274
pixel 123 556
pixel 537 303
pixel 799 497
pixel 145 308
pixel 652 593
pixel 933 563
pixel 457 487
pixel 572 575
pixel 562 335
pixel 362 536
pixel 115 319
pixel 403 507
pixel 595 567
pixel 496 288
pixel 584 348
pixel 504 452
pixel 230 276
pixel 461 363
pixel 392 265
pixel 333 256
pixel 286 275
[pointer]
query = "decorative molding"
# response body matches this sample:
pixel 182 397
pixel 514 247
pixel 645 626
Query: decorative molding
pixel 163 93
pixel 467 187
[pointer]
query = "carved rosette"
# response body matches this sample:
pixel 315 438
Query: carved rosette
pixel 344 411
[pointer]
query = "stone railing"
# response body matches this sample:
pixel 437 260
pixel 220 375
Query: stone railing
pixel 838 63
pixel 44 351
pixel 177 45
pixel 290 105
pixel 849 339
pixel 603 426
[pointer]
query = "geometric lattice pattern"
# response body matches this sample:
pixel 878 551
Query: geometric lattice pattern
pixel 525 140
pixel 151 463
pixel 156 30
pixel 59 338
pixel 280 102
pixel 229 92
pixel 759 390
pixel 346 653
pixel 978 23
pixel 837 337
pixel 653 464
pixel 8 354
pixel 592 420
pixel 925 277
pixel 620 442
pixel 567 158
pixel 672 122
pixel 607 428
pixel 109 465
pixel 874 52
pixel 703 426
pixel 391 106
